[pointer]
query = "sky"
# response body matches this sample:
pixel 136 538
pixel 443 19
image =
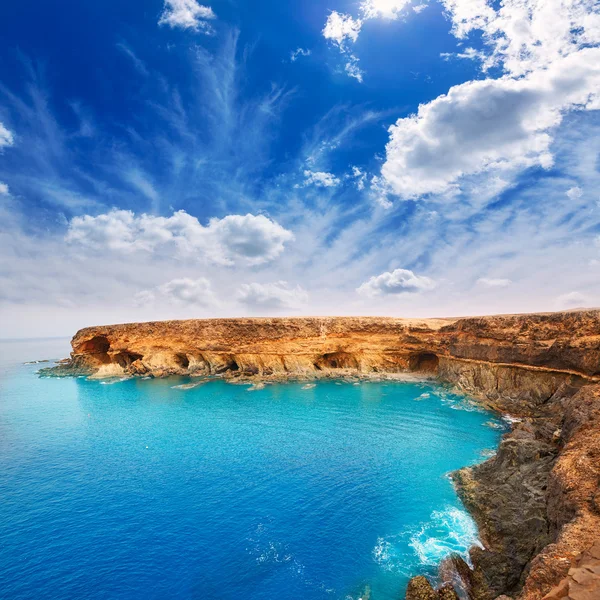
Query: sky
pixel 225 158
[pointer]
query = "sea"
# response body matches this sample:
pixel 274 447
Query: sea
pixel 142 489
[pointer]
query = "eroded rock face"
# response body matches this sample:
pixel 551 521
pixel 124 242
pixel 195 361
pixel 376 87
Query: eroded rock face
pixel 520 358
pixel 537 502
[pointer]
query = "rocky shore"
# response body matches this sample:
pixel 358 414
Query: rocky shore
pixel 536 502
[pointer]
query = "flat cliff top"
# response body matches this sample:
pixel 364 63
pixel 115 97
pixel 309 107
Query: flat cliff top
pixel 267 326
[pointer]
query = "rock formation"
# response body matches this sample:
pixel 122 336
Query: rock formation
pixel 537 502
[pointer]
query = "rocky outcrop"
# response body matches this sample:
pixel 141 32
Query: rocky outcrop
pixel 537 502
pixel 419 588
pixel 582 581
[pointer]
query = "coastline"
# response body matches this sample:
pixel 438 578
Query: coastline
pixel 536 502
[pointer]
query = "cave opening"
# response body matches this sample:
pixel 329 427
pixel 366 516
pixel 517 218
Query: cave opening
pixel 97 345
pixel 336 360
pixel 182 360
pixel 125 359
pixel 424 362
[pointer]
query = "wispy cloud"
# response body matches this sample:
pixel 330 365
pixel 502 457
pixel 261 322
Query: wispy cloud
pixel 6 137
pixel 299 52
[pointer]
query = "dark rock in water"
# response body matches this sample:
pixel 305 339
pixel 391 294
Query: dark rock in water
pixel 507 496
pixel 470 583
pixel 419 588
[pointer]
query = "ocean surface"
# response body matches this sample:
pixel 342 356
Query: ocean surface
pixel 141 490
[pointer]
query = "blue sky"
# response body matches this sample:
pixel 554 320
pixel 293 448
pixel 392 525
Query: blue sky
pixel 185 159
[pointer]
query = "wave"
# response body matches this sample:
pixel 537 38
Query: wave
pixel 449 531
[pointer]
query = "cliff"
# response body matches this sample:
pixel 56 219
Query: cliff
pixel 536 502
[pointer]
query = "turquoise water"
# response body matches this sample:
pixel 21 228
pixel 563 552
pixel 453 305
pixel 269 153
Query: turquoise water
pixel 136 490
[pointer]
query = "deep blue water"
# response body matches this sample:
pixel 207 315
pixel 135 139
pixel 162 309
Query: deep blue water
pixel 135 490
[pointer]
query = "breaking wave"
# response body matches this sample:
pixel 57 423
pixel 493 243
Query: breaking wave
pixel 449 531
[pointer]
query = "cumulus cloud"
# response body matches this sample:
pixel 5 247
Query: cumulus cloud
pixel 184 291
pixel 187 14
pixel 235 239
pixel 320 179
pixel 296 54
pixel 574 193
pixel 6 137
pixel 499 124
pixel 526 35
pixel 3 189
pixel 399 281
pixel 341 28
pixel 494 283
pixel 272 295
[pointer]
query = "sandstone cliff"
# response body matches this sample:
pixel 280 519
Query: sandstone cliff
pixel 537 502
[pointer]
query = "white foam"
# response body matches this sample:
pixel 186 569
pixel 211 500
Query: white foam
pixel 511 420
pixel 449 531
pixel 113 381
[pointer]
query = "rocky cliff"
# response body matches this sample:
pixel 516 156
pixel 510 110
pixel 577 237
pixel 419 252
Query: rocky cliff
pixel 537 502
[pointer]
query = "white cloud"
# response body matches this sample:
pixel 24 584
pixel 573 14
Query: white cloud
pixel 272 295
pixel 499 124
pixel 494 283
pixel 574 193
pixel 183 291
pixel 3 189
pixel 360 178
pixel 187 14
pixel 572 300
pixel 189 291
pixel 419 8
pixel 526 35
pixel 352 69
pixel 235 239
pixel 467 53
pixel 320 179
pixel 6 137
pixel 384 9
pixel 296 54
pixel 399 281
pixel 341 27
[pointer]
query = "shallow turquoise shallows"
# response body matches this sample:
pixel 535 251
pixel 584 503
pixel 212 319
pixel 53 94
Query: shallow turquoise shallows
pixel 140 490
